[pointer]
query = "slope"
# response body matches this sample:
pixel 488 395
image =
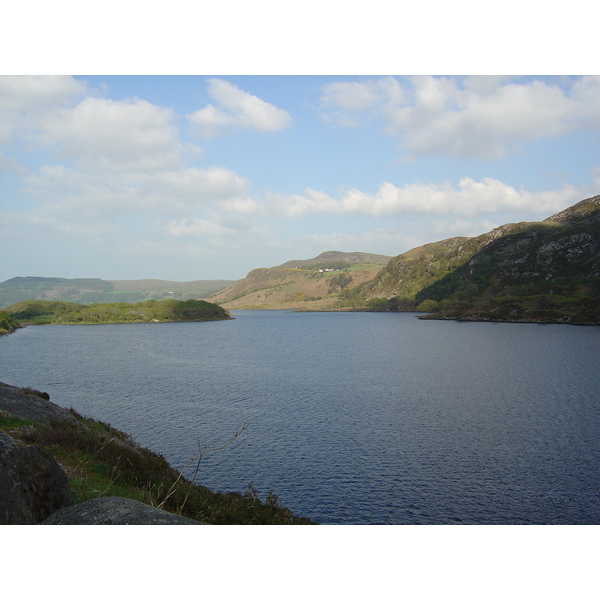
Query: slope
pixel 316 283
pixel 547 271
pixel 540 272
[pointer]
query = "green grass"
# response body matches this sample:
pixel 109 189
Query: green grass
pixel 100 460
pixel 8 422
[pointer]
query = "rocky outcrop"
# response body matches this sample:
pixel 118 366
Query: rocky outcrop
pixel 34 488
pixel 30 405
pixel 115 511
pixel 547 272
pixel 32 484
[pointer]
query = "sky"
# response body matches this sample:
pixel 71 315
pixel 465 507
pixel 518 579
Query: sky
pixel 216 147
pixel 207 177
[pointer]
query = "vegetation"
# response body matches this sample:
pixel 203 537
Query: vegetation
pixel 539 272
pixel 7 323
pixel 320 283
pixel 44 312
pixel 545 272
pixel 100 460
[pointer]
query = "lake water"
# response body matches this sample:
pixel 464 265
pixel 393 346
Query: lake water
pixel 355 418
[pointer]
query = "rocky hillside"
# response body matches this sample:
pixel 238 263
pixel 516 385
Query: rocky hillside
pixel 316 283
pixel 547 271
pixel 87 291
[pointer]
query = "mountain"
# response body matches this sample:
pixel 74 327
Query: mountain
pixel 546 271
pixel 86 291
pixel 315 283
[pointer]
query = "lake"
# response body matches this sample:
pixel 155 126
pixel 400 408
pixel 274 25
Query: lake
pixel 355 418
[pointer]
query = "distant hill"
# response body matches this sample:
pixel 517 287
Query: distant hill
pixel 333 259
pixel 86 291
pixel 315 283
pixel 546 271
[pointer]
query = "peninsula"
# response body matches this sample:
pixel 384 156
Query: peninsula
pixel 56 312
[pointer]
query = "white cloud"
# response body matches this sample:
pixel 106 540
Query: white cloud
pixel 228 218
pixel 117 135
pixel 216 234
pixel 236 109
pixel 27 92
pixel 191 187
pixel 473 117
pixel 23 98
pixel 586 92
pixel 183 191
pixel 122 165
pixel 342 102
pixel 469 199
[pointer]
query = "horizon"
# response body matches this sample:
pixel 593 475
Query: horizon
pixel 233 280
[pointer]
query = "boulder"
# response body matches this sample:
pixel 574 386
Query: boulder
pixel 30 406
pixel 32 484
pixel 112 510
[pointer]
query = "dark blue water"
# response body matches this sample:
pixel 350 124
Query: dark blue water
pixel 355 418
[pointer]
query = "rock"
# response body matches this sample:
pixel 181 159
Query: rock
pixel 32 484
pixel 26 405
pixel 115 511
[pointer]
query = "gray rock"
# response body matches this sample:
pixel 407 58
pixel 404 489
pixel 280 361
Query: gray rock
pixel 25 405
pixel 115 511
pixel 32 484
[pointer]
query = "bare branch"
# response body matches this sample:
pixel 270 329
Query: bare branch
pixel 198 459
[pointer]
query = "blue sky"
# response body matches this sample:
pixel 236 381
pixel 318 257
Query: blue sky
pixel 202 177
pixel 206 143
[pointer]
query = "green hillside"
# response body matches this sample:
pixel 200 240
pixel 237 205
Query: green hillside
pixel 317 283
pixel 48 312
pixel 542 272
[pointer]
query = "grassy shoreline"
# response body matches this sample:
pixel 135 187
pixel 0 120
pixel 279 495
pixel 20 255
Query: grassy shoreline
pixel 100 460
